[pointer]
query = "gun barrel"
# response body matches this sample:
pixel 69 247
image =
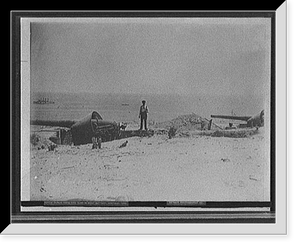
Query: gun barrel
pixel 230 117
pixel 52 123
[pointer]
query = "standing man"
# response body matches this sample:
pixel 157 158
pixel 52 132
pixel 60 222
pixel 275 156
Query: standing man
pixel 143 115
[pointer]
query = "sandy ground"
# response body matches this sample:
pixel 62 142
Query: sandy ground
pixel 194 168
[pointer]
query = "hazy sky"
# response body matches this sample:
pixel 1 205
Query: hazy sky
pixel 173 55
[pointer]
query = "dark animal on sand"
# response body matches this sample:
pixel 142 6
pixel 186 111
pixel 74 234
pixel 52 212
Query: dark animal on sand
pixel 124 144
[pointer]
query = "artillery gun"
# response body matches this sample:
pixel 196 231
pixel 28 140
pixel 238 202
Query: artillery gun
pixel 92 125
pixel 251 121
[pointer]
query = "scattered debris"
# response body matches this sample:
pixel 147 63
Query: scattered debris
pixel 41 147
pixel 251 177
pixel 51 147
pixel 161 131
pixel 185 134
pixel 230 127
pixel 69 167
pixel 172 132
pixel 123 126
pixel 34 139
pixel 225 159
pixel 40 142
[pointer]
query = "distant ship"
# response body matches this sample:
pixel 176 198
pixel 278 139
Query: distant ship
pixel 43 101
pixel 125 104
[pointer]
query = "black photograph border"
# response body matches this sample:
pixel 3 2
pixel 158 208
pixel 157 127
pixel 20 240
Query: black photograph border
pixel 19 216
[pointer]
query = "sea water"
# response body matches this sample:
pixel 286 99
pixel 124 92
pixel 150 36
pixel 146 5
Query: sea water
pixel 125 107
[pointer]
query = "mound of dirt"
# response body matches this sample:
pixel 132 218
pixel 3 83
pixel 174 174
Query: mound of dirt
pixel 187 122
pixel 40 142
pixel 235 133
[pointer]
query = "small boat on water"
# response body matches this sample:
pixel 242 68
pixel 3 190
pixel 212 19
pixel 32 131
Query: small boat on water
pixel 43 101
pixel 125 104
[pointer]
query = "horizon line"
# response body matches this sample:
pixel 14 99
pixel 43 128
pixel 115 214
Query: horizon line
pixel 137 93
